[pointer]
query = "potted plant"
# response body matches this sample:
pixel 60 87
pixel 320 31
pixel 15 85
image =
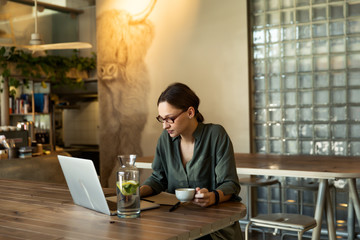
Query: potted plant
pixel 19 67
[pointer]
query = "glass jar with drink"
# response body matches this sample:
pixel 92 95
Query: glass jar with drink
pixel 127 188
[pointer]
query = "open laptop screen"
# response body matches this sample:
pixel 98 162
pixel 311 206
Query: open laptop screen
pixel 85 187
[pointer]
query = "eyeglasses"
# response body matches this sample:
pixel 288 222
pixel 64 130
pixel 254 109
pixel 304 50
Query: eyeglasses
pixel 169 119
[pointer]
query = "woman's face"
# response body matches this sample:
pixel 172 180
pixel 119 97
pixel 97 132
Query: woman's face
pixel 175 120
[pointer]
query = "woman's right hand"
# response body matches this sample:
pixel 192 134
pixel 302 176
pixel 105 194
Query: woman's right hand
pixel 203 197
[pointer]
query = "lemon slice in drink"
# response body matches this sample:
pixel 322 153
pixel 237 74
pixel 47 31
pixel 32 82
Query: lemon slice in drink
pixel 128 188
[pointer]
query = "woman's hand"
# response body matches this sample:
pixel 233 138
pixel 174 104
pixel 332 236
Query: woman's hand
pixel 203 197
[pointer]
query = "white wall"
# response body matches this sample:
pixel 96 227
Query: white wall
pixel 202 44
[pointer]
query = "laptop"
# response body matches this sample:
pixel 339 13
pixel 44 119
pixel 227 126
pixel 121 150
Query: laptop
pixel 85 187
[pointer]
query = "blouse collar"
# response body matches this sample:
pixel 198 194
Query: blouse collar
pixel 197 133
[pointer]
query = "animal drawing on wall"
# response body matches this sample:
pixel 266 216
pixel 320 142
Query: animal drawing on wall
pixel 122 43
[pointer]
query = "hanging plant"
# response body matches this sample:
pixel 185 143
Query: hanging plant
pixel 19 67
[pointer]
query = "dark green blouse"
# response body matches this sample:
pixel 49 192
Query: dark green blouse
pixel 212 166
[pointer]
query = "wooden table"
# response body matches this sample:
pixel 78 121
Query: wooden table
pixel 36 210
pixel 323 168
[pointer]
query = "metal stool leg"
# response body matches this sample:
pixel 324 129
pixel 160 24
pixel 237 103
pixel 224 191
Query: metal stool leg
pixel 280 197
pixel 249 203
pixel 299 235
pixel 350 220
pixel 248 199
pixel 267 183
pixel 247 230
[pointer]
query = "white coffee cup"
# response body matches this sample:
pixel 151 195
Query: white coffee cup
pixel 185 194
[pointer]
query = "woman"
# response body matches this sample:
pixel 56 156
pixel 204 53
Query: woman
pixel 192 154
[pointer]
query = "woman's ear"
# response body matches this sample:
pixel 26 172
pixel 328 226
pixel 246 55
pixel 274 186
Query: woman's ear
pixel 191 112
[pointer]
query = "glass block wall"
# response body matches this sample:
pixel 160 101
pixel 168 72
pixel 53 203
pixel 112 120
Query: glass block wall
pixel 306 76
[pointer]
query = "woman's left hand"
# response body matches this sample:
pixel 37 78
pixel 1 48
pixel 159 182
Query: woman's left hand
pixel 203 197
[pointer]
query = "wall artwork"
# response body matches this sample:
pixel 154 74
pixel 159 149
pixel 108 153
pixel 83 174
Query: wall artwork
pixel 122 43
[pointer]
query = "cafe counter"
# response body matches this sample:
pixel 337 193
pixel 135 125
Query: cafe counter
pixel 44 168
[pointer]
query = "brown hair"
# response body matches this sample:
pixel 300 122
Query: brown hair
pixel 182 97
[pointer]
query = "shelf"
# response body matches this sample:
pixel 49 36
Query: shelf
pixel 27 114
pixel 50 6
